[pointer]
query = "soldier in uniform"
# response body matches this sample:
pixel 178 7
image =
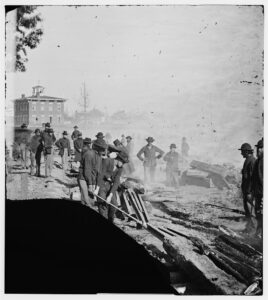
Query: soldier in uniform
pixel 89 169
pixel 129 167
pixel 119 145
pixel 65 150
pixel 149 159
pixel 108 183
pixel 246 186
pixel 257 186
pixel 78 147
pixel 172 167
pixel 48 141
pixel 36 147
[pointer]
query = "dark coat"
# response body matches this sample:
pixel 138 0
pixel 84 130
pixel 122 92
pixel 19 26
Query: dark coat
pixel 36 144
pixel 172 159
pixel 257 178
pixel 78 146
pixel 150 155
pixel 247 170
pixel 110 174
pixel 48 141
pixel 63 144
pixel 75 134
pixel 90 167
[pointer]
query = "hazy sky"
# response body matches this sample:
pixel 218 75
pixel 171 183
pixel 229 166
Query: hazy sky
pixel 142 56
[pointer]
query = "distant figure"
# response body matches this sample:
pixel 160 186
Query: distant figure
pixel 48 151
pixel 108 138
pixel 123 140
pixel 75 133
pixel 36 148
pixel 65 149
pixel 149 159
pixel 246 186
pixel 129 167
pixel 184 148
pixel 78 147
pixel 172 167
pixel 257 187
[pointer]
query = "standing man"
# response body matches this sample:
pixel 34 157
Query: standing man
pixel 24 146
pixel 172 167
pixel 184 148
pixel 257 187
pixel 75 133
pixel 246 186
pixel 65 150
pixel 78 147
pixel 36 147
pixel 48 151
pixel 90 168
pixel 149 160
pixel 129 167
pixel 108 183
pixel 119 146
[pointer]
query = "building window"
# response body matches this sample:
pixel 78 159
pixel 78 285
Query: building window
pixel 42 106
pixel 50 106
pixel 33 106
pixel 59 107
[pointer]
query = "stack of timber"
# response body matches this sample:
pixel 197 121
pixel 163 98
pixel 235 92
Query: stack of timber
pixel 217 173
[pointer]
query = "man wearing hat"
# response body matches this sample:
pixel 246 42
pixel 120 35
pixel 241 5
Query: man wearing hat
pixel 48 142
pixel 257 186
pixel 65 150
pixel 36 147
pixel 246 185
pixel 149 159
pixel 45 132
pixel 119 145
pixel 90 168
pixel 108 183
pixel 75 133
pixel 184 148
pixel 172 167
pixel 78 147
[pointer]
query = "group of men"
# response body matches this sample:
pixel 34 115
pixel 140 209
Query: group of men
pixel 149 154
pixel 252 182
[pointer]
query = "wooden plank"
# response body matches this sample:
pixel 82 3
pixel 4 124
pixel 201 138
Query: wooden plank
pixel 126 203
pixel 136 208
pixel 133 195
pixel 144 208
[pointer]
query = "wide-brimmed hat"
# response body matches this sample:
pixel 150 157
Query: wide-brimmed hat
pixel 117 142
pixel 99 144
pixel 260 144
pixel 129 137
pixel 100 135
pixel 245 147
pixel 123 157
pixel 65 132
pixel 47 124
pixel 37 130
pixel 75 126
pixel 172 146
pixel 150 139
pixel 87 141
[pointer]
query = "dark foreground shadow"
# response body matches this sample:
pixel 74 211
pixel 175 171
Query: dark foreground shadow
pixel 59 246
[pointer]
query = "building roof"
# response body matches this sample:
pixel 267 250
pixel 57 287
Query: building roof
pixel 42 97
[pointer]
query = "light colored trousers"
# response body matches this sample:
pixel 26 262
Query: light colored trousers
pixel 48 164
pixel 64 159
pixel 84 189
pixel 149 174
pixel 32 158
